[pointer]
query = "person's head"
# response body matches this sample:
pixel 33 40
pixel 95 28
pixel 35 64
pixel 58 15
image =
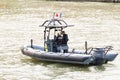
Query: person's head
pixel 63 32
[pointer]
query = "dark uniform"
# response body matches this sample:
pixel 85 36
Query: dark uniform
pixel 59 40
pixel 64 42
pixel 65 39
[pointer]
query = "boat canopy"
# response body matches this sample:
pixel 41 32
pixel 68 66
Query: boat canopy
pixel 55 23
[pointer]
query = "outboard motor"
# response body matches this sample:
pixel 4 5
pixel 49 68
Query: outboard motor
pixel 99 54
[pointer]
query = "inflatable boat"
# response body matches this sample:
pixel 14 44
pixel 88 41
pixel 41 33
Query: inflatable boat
pixel 57 51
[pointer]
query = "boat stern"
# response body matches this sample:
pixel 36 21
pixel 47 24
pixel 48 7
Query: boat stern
pixel 110 56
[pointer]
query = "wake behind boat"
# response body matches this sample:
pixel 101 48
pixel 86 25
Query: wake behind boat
pixel 56 49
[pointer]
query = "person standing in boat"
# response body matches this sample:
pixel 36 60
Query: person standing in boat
pixel 64 41
pixel 59 39
pixel 64 38
pixel 58 42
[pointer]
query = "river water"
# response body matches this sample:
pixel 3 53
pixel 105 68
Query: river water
pixel 95 22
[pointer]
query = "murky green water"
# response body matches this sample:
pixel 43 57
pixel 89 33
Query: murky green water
pixel 95 22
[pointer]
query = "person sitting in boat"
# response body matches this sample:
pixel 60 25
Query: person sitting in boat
pixel 64 41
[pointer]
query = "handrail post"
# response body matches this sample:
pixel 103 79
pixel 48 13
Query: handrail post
pixel 86 47
pixel 31 43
